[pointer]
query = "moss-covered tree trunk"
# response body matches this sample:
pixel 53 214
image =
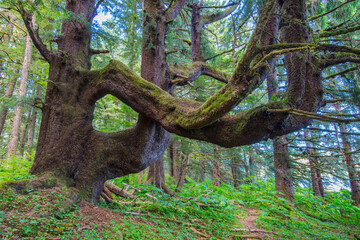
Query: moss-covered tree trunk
pixel 69 147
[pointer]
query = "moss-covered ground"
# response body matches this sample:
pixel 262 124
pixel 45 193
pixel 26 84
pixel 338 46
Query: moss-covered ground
pixel 201 211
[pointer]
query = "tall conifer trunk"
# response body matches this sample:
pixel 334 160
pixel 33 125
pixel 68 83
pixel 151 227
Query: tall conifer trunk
pixel 13 142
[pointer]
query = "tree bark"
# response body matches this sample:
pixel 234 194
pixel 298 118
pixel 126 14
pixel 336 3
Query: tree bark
pixel 235 172
pixel 251 174
pixel 316 179
pixel 4 109
pixel 350 163
pixel 172 154
pixel 183 171
pixel 69 147
pixel 216 177
pixel 30 141
pixel 24 134
pixel 283 175
pixel 13 143
pixel 202 170
pixel 12 80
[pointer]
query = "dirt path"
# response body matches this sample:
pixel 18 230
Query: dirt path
pixel 249 229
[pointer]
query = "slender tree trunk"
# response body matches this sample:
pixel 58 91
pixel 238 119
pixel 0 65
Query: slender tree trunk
pixel 12 80
pixel 30 141
pixel 216 180
pixel 235 172
pixel 4 109
pixel 196 27
pixel 172 154
pixel 140 177
pixel 350 163
pixel 182 174
pixel 24 133
pixel 202 170
pixel 251 167
pixel 13 143
pixel 315 172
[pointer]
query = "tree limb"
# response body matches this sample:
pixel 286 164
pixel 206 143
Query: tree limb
pixel 340 31
pixel 194 71
pixel 208 19
pixel 342 72
pixel 174 9
pixel 325 13
pixel 29 23
pixel 331 59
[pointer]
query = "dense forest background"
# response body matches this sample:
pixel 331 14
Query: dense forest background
pixel 320 160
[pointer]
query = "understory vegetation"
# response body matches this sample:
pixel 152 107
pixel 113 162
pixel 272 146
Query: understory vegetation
pixel 200 211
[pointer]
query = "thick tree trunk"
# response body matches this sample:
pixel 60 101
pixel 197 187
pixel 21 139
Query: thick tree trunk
pixel 283 176
pixel 13 143
pixel 216 177
pixel 316 179
pixel 350 163
pixel 68 146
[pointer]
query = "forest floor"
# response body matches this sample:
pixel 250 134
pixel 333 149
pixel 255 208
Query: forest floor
pixel 201 211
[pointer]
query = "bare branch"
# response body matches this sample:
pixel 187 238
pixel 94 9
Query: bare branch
pixel 342 72
pixel 311 115
pixel 174 9
pixel 225 6
pixel 325 13
pixel 96 51
pixel 29 23
pixel 331 60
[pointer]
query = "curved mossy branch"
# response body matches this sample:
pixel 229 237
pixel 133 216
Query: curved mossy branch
pixel 155 103
pixel 184 74
pixel 148 99
pixel 208 19
pixel 340 31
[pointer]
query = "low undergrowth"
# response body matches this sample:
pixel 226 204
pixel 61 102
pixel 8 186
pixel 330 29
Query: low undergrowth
pixel 200 211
